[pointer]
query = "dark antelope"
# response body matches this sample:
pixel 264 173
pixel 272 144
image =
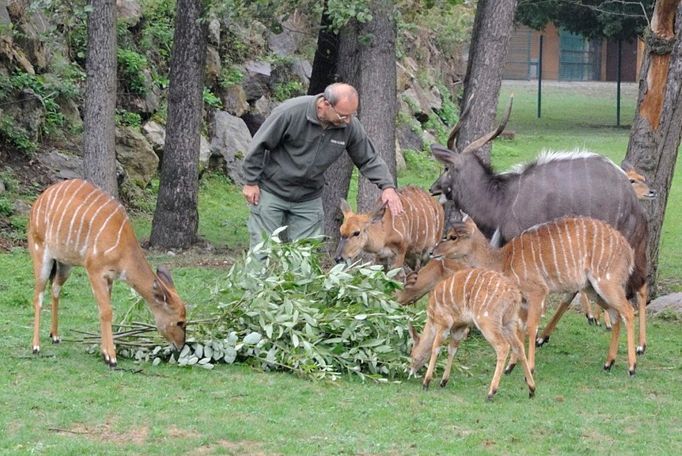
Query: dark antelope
pixel 472 297
pixel 391 239
pixel 554 186
pixel 75 223
pixel 565 256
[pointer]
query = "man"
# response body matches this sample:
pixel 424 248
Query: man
pixel 285 165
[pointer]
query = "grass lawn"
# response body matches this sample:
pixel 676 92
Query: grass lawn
pixel 66 401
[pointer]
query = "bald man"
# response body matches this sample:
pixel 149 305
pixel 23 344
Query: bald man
pixel 285 164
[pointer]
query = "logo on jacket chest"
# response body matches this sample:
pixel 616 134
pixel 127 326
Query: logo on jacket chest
pixel 336 141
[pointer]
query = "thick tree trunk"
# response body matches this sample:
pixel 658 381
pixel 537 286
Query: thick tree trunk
pixel 657 127
pixel 337 177
pixel 326 56
pixel 487 53
pixel 176 218
pixel 378 89
pixel 99 153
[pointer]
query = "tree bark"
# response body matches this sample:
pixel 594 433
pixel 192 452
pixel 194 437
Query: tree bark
pixel 487 53
pixel 657 127
pixel 378 89
pixel 326 56
pixel 99 137
pixel 176 218
pixel 337 176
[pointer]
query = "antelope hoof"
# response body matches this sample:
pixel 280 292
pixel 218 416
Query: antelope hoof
pixel 531 392
pixel 540 341
pixel 36 349
pixel 591 320
pixel 55 338
pixel 444 382
pixel 641 349
pixel 609 365
pixel 425 386
pixel 491 395
pixel 632 371
pixel 508 370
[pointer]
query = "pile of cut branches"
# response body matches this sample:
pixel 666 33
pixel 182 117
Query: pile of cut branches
pixel 287 313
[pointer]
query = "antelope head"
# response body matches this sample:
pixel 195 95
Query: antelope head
pixel 355 231
pixel 638 181
pixel 169 309
pixel 454 160
pixel 458 242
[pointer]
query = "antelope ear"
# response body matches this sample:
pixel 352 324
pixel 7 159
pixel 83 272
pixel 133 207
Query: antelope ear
pixel 413 334
pixel 443 154
pixel 164 275
pixel 470 224
pixel 378 214
pixel 159 292
pixel 626 166
pixel 345 207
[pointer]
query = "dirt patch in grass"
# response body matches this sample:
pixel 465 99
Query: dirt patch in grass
pixel 106 433
pixel 243 447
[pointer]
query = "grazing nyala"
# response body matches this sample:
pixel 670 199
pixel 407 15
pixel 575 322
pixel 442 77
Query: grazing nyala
pixel 393 240
pixel 472 297
pixel 75 223
pixel 564 256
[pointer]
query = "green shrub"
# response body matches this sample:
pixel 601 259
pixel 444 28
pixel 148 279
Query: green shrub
pixel 285 90
pixel 128 119
pixel 229 76
pixel 211 99
pixel 131 65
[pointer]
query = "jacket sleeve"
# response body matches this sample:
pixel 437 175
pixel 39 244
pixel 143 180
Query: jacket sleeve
pixel 367 159
pixel 268 137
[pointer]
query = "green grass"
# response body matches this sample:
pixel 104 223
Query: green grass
pixel 65 401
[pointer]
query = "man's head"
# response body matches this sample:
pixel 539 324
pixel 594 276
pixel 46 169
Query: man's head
pixel 339 103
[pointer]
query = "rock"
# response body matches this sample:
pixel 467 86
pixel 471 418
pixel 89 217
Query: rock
pixel 671 302
pixel 136 155
pixel 21 207
pixel 213 66
pixel 129 12
pixel 234 100
pixel 214 32
pixel 230 140
pixel 257 79
pixel 156 135
pixel 62 166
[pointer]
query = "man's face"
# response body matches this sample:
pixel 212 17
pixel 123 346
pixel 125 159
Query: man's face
pixel 341 113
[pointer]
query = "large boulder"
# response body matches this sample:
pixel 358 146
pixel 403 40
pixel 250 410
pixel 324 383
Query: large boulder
pixel 668 303
pixel 234 100
pixel 136 156
pixel 129 12
pixel 257 79
pixel 156 135
pixel 230 141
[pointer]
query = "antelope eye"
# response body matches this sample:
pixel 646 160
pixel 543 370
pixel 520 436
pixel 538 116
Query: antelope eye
pixel 182 324
pixel 356 233
pixel 632 181
pixel 453 237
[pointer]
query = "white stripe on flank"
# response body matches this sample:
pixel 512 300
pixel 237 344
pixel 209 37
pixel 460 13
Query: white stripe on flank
pixel 60 209
pixel 564 251
pixel 77 242
pixel 95 193
pixel 597 229
pixel 84 247
pixel 542 261
pixel 103 227
pixel 557 272
pixel 465 287
pixel 35 212
pixel 118 236
pixel 67 208
pixel 575 273
pixel 50 215
pixel 48 195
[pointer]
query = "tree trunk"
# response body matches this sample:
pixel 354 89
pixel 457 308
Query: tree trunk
pixel 487 53
pixel 337 176
pixel 326 55
pixel 99 137
pixel 657 127
pixel 378 89
pixel 176 218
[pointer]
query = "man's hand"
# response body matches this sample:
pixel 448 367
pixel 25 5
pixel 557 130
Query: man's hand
pixel 390 197
pixel 251 193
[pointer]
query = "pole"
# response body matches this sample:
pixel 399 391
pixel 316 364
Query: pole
pixel 618 75
pixel 540 79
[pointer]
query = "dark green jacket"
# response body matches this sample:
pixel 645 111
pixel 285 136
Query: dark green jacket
pixel 291 151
